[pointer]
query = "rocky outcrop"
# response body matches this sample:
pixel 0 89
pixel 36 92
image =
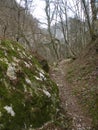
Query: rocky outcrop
pixel 42 61
pixel 28 97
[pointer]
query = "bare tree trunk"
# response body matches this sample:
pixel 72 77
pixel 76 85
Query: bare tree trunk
pixel 94 17
pixel 49 20
pixel 88 18
pixel 91 24
pixel 64 26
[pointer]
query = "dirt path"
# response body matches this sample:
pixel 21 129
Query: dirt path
pixel 69 102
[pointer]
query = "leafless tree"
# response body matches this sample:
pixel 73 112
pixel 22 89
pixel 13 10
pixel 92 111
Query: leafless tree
pixel 50 14
pixel 91 17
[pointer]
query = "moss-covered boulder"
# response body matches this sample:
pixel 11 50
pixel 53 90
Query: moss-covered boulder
pixel 42 61
pixel 28 98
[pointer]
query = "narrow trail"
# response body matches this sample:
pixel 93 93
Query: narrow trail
pixel 80 120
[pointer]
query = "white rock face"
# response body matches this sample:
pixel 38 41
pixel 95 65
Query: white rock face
pixel 42 76
pixel 37 78
pixel 47 93
pixel 9 110
pixel 27 65
pixel 28 81
pixel 11 72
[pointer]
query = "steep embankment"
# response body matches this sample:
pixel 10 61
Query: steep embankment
pixel 28 97
pixel 82 74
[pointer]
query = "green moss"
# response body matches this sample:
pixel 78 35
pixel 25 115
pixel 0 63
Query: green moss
pixel 21 90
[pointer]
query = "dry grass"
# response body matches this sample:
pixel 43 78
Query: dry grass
pixel 83 75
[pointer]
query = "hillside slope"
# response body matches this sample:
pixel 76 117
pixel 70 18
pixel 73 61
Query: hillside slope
pixel 28 97
pixel 82 74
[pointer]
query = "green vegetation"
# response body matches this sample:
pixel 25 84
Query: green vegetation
pixel 28 98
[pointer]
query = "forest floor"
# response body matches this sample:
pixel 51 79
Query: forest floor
pixel 69 102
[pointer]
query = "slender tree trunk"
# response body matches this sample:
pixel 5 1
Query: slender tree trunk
pixel 49 19
pixel 94 17
pixel 88 19
pixel 91 24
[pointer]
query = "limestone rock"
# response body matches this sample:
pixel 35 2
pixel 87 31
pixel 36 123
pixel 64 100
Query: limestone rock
pixel 28 97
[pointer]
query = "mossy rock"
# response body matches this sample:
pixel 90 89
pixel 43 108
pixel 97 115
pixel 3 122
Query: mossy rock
pixel 42 61
pixel 44 65
pixel 28 97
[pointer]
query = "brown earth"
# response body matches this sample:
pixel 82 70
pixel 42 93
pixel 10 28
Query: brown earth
pixel 80 118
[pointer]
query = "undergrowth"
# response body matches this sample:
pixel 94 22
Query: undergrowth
pixel 83 75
